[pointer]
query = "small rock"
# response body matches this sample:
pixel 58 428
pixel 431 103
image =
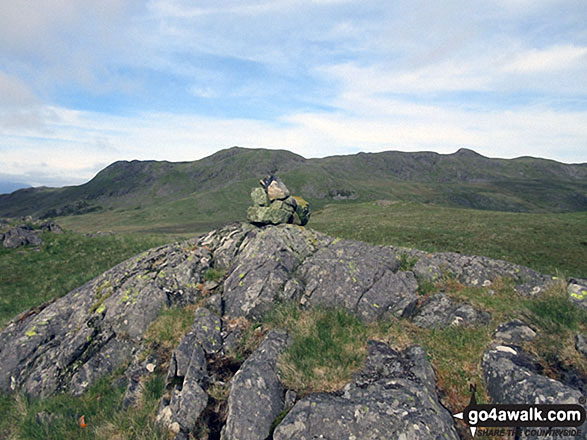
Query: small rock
pixel 302 214
pixel 581 344
pixel 259 197
pixel 441 311
pixel 514 331
pixel 577 291
pixel 290 400
pixel 276 190
pixel 51 226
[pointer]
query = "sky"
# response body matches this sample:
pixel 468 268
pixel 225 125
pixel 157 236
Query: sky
pixel 86 83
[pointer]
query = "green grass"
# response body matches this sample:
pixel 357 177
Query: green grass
pixel 327 347
pixel 169 328
pixel 549 243
pixel 30 277
pixel 58 417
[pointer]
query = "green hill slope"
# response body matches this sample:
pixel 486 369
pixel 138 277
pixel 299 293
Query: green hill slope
pixel 215 189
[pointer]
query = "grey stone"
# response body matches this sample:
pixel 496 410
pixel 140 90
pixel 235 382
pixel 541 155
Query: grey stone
pixel 21 236
pixel 266 261
pixel 340 274
pixel 514 376
pixel 277 190
pixel 392 295
pixel 581 344
pixel 478 271
pixel 214 303
pixel 514 331
pixel 186 378
pixel 268 215
pixel 441 311
pixel 259 197
pixel 207 328
pixel 392 397
pixel 256 395
pixel 577 291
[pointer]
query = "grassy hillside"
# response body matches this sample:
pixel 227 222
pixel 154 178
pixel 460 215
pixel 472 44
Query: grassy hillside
pixel 31 276
pixel 218 186
pixel 549 243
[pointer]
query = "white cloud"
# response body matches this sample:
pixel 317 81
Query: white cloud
pixel 82 142
pixel 549 59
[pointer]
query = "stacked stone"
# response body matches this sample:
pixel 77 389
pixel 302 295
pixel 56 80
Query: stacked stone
pixel 273 205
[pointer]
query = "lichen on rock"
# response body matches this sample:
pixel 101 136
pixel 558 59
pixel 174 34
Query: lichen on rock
pixel 273 205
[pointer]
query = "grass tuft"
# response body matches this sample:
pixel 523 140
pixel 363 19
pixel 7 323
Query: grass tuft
pixel 328 346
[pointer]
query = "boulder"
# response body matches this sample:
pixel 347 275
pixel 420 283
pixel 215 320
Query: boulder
pixel 268 215
pixel 256 395
pixel 392 397
pixel 441 311
pixel 51 226
pixel 21 236
pixel 515 376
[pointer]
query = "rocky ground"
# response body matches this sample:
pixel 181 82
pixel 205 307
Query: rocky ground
pixel 25 231
pixel 98 328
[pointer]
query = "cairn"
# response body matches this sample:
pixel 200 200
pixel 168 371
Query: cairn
pixel 273 204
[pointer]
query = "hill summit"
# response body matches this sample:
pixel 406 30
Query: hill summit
pixel 241 274
pixel 211 188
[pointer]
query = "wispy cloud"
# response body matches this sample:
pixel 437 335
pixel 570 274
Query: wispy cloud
pixel 85 83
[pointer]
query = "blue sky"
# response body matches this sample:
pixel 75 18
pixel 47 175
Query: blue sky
pixel 83 84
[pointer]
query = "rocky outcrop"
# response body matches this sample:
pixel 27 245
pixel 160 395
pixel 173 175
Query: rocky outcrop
pixel 25 231
pixel 94 329
pixel 392 397
pixel 477 271
pixel 514 376
pixel 66 345
pixel 256 395
pixel 20 236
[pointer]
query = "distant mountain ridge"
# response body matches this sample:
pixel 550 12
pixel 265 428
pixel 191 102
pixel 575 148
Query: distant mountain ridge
pixel 219 183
